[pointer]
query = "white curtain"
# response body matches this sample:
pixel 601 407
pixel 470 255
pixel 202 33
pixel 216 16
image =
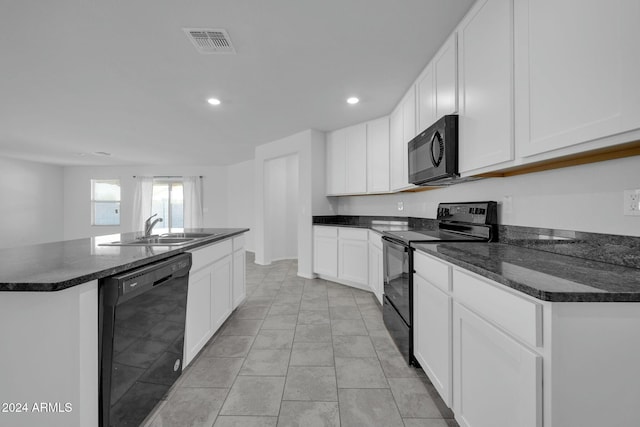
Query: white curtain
pixel 192 186
pixel 142 201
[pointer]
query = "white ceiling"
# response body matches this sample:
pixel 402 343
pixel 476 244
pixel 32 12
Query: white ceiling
pixel 120 76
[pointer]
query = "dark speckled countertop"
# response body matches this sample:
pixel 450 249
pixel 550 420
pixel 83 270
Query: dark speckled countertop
pixel 543 275
pixel 60 265
pixel 551 265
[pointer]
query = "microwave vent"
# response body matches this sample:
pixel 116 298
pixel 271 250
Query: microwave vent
pixel 207 40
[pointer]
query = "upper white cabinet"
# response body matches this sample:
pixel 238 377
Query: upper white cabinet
pixel 378 155
pixel 485 41
pixel 402 128
pixel 446 79
pixel 426 98
pixel 347 160
pixel 356 156
pixel 437 86
pixel 576 72
pixel 336 162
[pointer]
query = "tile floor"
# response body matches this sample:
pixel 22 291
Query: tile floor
pixel 301 352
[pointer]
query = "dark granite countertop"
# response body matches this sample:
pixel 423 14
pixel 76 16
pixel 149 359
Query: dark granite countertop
pixel 548 264
pixel 60 265
pixel 543 275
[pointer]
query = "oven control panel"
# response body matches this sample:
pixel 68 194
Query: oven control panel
pixel 472 212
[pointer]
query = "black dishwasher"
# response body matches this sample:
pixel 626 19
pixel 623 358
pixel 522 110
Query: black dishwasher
pixel 142 317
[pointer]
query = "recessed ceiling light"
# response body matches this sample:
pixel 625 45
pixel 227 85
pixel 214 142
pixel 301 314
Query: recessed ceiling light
pixel 352 100
pixel 213 101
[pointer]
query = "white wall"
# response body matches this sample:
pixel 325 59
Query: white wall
pixel 309 145
pixel 582 198
pixel 31 203
pixel 77 195
pixel 240 199
pixel 281 207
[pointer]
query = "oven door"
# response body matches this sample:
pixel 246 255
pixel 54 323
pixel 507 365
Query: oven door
pixel 397 270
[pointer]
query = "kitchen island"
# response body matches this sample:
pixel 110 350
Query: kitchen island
pixel 49 321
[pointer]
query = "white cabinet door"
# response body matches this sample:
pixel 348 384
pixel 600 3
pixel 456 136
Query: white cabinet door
pixel 426 98
pixel 239 282
pixel 576 71
pixel 497 381
pixel 432 334
pixel 221 288
pixel 409 130
pixel 353 260
pixel 446 79
pixel 402 128
pixel 336 162
pixel 396 145
pixel 485 38
pixel 198 324
pixel 325 251
pixel 356 159
pixel 378 155
pixel 375 271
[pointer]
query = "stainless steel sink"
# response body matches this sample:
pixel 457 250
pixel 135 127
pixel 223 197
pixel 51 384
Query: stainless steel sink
pixel 189 235
pixel 168 239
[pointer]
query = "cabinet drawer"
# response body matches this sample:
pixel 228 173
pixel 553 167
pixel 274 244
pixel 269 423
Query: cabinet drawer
pixel 238 242
pixel 434 271
pixel 205 255
pixel 518 316
pixel 322 231
pixel 353 233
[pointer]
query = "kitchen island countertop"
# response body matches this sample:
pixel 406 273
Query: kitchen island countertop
pixel 60 265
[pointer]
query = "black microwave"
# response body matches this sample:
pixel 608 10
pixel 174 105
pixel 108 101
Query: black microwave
pixel 433 154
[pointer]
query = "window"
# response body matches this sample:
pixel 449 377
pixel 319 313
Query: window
pixel 168 202
pixel 105 201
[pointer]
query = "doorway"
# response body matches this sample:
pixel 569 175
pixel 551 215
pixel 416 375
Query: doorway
pixel 281 208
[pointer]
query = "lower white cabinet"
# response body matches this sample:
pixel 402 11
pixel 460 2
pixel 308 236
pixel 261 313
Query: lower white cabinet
pixel 198 324
pixel 217 272
pixel 432 334
pixel 221 287
pixel 479 344
pixel 239 271
pixel 376 278
pixel 325 251
pixel 341 254
pixel 497 381
pixel 353 245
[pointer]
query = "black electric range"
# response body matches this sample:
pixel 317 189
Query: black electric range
pixel 457 222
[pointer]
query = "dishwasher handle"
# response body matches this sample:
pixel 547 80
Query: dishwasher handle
pixel 140 286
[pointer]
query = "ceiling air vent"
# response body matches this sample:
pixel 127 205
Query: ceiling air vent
pixel 208 40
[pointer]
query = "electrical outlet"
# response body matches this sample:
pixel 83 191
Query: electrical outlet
pixel 632 202
pixel 400 206
pixel 507 204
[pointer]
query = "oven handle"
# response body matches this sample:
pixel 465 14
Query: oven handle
pixel 391 242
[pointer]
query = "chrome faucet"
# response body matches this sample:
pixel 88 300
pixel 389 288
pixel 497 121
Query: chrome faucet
pixel 148 225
